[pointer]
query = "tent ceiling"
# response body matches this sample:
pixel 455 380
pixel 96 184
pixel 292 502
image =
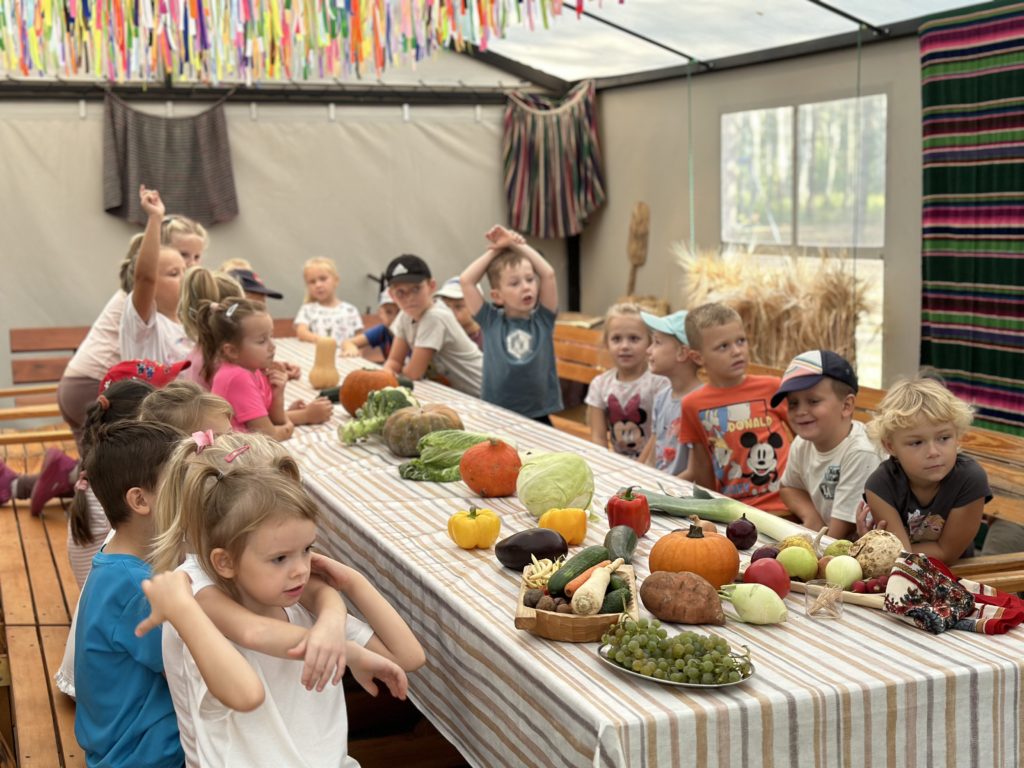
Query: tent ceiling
pixel 645 36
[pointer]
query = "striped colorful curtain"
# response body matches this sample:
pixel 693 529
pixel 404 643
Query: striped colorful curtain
pixel 553 175
pixel 973 220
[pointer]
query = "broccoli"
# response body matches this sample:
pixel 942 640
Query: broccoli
pixel 370 419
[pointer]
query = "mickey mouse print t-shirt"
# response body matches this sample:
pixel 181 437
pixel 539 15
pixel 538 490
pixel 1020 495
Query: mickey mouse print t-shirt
pixel 628 408
pixel 746 438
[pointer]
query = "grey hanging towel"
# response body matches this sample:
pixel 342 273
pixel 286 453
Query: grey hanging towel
pixel 187 159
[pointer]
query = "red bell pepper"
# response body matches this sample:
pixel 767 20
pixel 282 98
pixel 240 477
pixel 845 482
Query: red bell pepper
pixel 628 508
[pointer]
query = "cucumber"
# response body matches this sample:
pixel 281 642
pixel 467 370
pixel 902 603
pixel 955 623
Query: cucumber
pixel 617 582
pixel 621 541
pixel 574 566
pixel 616 601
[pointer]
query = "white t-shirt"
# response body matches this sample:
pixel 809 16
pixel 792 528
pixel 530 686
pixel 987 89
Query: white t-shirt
pixel 340 322
pixel 628 408
pixel 161 339
pixel 101 348
pixel 834 480
pixel 456 356
pixel 293 727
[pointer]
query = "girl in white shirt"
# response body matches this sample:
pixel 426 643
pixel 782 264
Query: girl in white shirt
pixel 236 501
pixel 149 326
pixel 324 314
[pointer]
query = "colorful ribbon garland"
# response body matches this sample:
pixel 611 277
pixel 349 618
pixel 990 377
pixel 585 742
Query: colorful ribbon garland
pixel 208 41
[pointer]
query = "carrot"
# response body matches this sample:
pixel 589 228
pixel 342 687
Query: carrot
pixel 580 580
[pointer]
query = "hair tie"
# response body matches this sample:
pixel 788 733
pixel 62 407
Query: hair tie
pixel 236 453
pixel 82 484
pixel 104 403
pixel 203 439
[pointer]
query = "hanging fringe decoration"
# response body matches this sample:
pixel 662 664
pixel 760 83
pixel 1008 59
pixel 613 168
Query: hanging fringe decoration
pixel 553 174
pixel 243 40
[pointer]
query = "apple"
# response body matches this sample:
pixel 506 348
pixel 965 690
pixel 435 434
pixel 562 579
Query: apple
pixel 769 572
pixel 822 565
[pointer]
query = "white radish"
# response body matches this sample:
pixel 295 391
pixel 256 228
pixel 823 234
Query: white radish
pixel 588 599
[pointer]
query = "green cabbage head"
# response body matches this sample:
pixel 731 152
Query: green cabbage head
pixel 554 480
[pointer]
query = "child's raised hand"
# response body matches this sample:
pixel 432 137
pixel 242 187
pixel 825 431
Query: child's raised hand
pixel 370 666
pixel 323 651
pixel 503 238
pixel 165 592
pixel 150 201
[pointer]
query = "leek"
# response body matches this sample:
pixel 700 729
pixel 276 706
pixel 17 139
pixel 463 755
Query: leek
pixel 720 509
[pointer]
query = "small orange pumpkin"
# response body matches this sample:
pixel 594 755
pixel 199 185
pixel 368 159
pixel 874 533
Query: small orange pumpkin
pixel 713 556
pixel 359 384
pixel 491 468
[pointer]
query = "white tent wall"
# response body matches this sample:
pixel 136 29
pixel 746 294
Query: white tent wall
pixel 360 189
pixel 644 143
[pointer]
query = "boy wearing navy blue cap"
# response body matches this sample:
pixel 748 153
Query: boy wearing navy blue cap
pixel 669 355
pixel 831 456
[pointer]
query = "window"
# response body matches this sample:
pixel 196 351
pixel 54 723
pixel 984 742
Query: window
pixel 836 175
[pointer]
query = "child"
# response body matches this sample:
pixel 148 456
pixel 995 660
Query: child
pixel 237 337
pixel 199 284
pixel 927 493
pixel 252 526
pixel 519 350
pixel 620 401
pixel 831 456
pixel 149 325
pixel 87 523
pixel 739 441
pixel 324 314
pixel 379 336
pixel 428 331
pixel 232 264
pixel 124 715
pixel 669 356
pixel 100 350
pixel 186 236
pixel 187 407
pixel 451 294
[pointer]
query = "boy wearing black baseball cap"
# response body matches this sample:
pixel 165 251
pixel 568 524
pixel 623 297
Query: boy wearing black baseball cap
pixel 831 456
pixel 427 334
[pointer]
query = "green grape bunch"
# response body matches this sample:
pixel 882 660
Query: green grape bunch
pixel 644 647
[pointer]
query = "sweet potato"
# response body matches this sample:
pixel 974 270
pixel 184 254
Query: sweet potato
pixel 682 598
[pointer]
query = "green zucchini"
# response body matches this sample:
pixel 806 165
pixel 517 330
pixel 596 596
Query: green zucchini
pixel 574 566
pixel 621 541
pixel 617 582
pixel 616 601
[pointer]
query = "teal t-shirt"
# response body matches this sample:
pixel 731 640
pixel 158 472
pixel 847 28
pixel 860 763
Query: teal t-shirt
pixel 519 361
pixel 124 716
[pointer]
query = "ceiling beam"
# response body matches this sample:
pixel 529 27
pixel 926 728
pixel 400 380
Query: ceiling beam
pixel 850 17
pixel 520 71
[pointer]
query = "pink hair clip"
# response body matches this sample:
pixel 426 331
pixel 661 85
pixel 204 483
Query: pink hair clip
pixel 203 439
pixel 236 453
pixel 82 484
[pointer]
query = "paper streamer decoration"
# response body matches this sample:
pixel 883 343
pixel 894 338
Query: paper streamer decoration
pixel 209 41
pixel 553 173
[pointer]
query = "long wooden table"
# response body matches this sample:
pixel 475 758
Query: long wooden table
pixel 867 690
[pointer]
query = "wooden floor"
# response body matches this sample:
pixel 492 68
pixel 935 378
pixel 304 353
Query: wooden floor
pixel 38 594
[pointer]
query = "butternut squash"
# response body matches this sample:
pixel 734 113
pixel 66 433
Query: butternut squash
pixel 324 372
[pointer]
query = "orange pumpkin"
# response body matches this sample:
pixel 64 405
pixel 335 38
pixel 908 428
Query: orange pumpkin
pixel 491 468
pixel 359 384
pixel 713 556
pixel 405 427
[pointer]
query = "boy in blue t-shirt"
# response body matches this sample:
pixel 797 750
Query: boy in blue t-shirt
pixel 377 337
pixel 124 714
pixel 519 351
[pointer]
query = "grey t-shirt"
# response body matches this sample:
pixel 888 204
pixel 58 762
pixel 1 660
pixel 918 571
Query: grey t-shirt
pixel 456 357
pixel 519 361
pixel 965 483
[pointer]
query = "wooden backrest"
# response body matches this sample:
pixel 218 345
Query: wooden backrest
pixel 580 353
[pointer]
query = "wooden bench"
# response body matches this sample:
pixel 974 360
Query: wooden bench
pixel 580 355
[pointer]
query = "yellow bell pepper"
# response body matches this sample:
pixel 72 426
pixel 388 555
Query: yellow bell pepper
pixel 570 522
pixel 475 529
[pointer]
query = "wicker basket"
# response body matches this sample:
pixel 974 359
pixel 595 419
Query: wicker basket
pixel 568 628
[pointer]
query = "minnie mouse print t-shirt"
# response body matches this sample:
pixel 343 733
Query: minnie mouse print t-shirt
pixel 628 407
pixel 746 438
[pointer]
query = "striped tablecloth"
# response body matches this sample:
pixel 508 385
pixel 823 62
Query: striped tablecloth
pixel 864 691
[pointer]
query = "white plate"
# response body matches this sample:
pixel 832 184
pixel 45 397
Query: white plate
pixel 602 654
